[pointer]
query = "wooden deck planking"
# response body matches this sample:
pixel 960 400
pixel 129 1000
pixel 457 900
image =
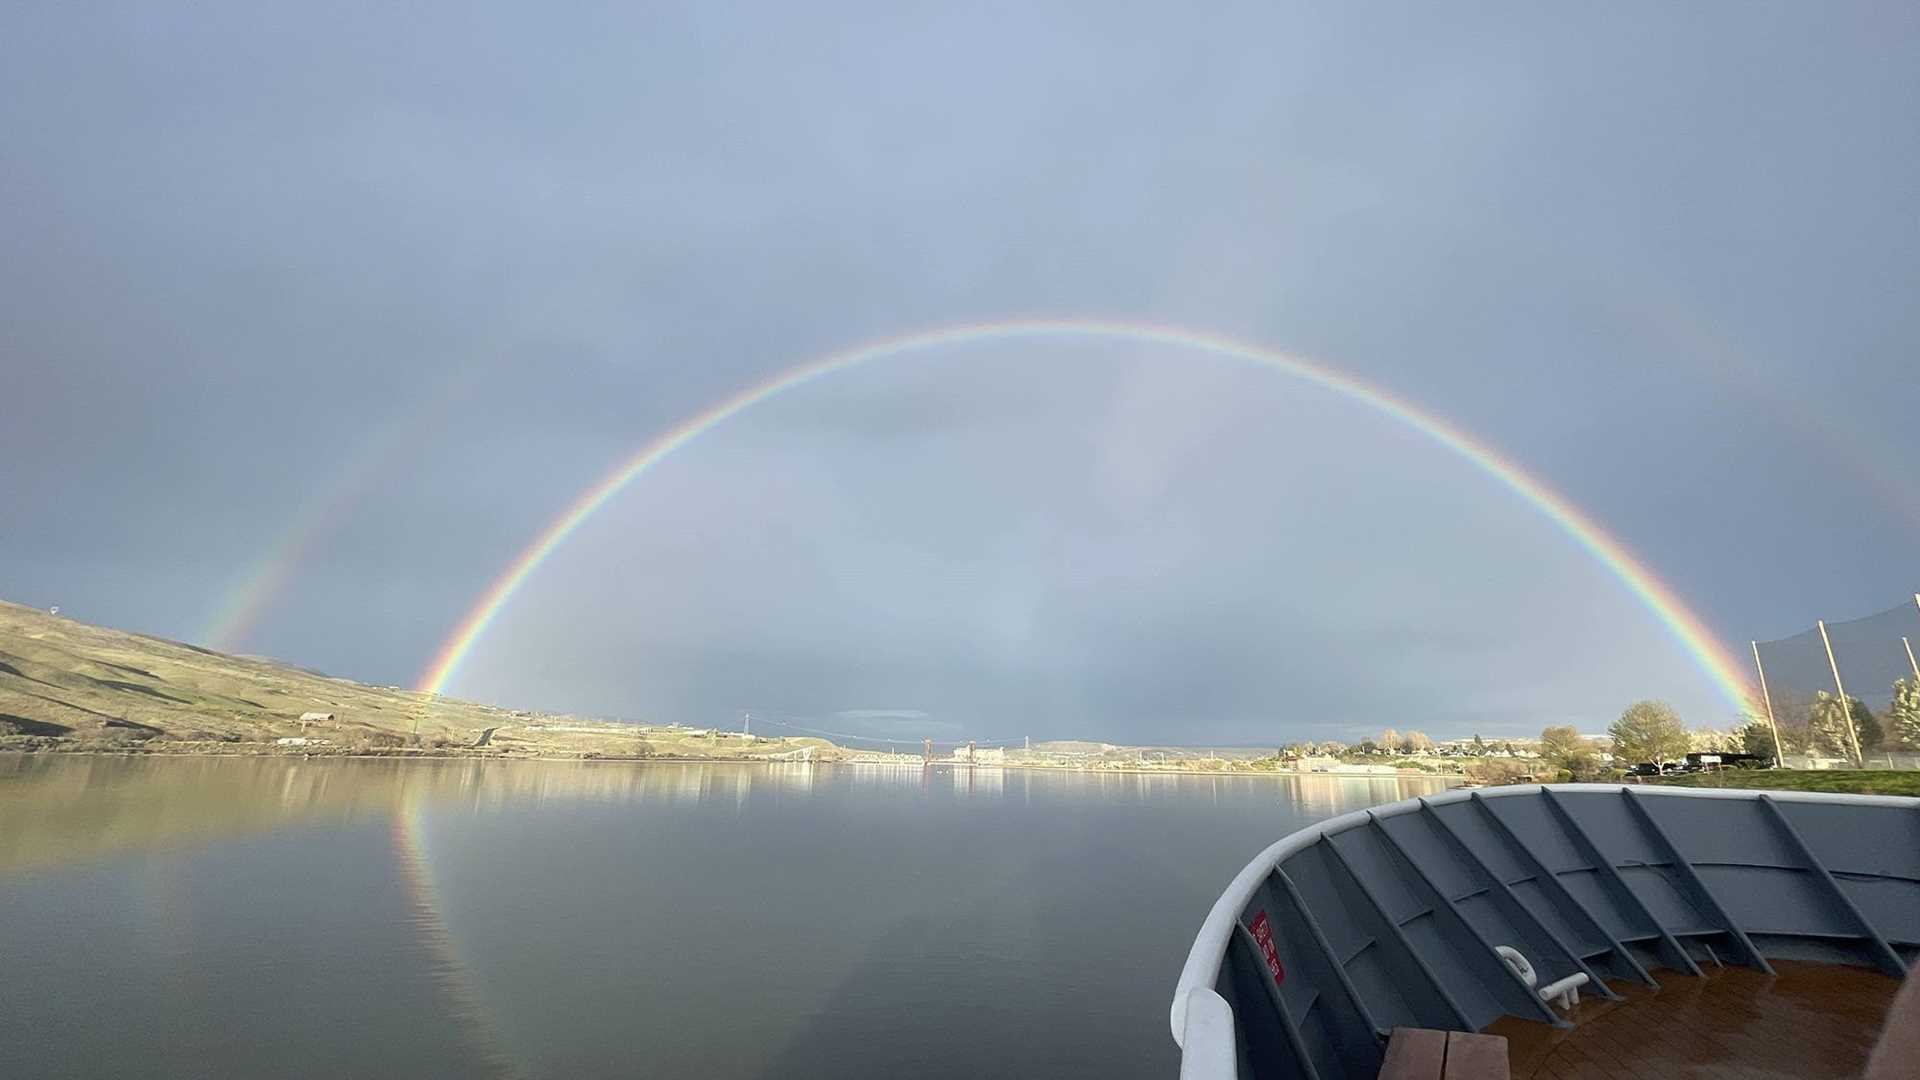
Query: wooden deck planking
pixel 1734 1023
pixel 1476 1057
pixel 1414 1054
pixel 1431 1054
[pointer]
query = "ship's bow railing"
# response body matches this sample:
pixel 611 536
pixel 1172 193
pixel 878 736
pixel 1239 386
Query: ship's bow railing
pixel 1818 876
pixel 1207 1043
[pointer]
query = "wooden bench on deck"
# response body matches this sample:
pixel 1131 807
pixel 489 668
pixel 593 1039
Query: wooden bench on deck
pixel 1425 1054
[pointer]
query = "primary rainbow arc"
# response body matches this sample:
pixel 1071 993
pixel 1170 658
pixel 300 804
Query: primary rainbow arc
pixel 1687 628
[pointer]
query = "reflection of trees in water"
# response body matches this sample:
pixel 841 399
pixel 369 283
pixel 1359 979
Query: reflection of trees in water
pixel 1319 796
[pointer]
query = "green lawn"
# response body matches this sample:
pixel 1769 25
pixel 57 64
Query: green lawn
pixel 1853 781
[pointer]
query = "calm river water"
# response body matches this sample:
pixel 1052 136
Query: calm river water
pixel 238 917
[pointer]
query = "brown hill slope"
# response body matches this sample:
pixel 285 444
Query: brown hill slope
pixel 68 685
pixel 67 679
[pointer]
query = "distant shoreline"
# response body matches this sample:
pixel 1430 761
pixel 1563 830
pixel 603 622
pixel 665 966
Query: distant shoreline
pixel 131 695
pixel 473 754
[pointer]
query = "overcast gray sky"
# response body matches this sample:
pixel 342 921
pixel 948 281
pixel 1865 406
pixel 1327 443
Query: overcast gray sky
pixel 386 289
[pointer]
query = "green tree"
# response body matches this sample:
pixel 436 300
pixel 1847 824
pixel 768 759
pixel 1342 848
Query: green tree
pixel 1649 731
pixel 1563 748
pixel 1756 735
pixel 1866 725
pixel 1479 746
pixel 1757 738
pixel 1831 735
pixel 1903 716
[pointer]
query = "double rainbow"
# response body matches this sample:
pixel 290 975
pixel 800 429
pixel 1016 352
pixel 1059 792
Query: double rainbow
pixel 1712 657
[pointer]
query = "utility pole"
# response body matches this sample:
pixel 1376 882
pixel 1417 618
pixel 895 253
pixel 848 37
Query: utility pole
pixel 1846 706
pixel 1909 645
pixel 1779 752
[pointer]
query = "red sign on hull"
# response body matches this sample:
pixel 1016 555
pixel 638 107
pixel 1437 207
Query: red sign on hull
pixel 1263 936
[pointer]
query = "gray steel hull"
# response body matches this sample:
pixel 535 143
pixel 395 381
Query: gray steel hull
pixel 1389 917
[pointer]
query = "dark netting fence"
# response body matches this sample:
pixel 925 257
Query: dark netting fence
pixel 1873 661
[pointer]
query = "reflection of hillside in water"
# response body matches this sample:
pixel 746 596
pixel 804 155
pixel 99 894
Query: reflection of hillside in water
pixel 56 809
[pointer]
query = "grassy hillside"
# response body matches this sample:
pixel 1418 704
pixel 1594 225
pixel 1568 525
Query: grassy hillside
pixel 65 679
pixel 67 685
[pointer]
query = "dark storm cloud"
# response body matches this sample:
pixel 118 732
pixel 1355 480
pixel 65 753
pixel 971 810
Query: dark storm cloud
pixel 1663 257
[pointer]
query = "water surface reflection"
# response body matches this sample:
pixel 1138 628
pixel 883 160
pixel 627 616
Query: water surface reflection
pixel 602 918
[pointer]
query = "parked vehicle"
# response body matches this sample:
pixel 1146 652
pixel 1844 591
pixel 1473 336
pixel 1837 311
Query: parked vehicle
pixel 1727 759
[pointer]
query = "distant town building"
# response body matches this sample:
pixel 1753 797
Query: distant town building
pixel 972 754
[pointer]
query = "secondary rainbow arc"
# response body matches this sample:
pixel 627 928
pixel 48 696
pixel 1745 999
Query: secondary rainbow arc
pixel 1713 658
pixel 264 581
